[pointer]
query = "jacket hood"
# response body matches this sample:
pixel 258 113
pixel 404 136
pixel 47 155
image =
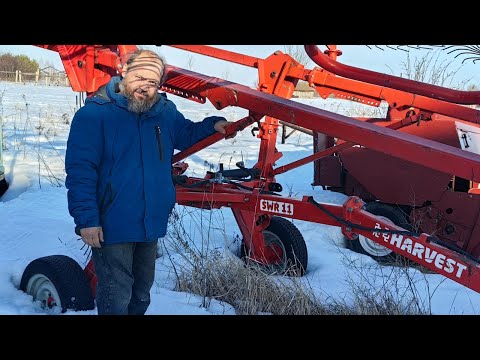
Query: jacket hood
pixel 110 93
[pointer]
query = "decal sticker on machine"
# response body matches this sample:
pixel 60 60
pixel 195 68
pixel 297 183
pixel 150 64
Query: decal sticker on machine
pixel 423 252
pixel 276 207
pixel 468 136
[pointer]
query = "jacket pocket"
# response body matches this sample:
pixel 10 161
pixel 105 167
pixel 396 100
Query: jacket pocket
pixel 158 133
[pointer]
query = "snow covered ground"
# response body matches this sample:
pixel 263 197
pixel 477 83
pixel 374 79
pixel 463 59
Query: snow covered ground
pixel 34 219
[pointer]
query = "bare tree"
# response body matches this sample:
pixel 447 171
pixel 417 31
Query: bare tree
pixel 297 52
pixel 472 87
pixel 226 74
pixel 46 63
pixel 190 62
pixel 432 69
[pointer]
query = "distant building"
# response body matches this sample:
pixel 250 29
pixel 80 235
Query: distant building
pixel 303 90
pixel 52 76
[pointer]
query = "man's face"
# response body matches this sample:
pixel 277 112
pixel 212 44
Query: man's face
pixel 141 81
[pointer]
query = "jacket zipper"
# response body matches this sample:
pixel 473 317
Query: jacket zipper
pixel 159 141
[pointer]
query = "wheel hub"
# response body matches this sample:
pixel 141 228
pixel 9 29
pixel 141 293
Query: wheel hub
pixel 274 255
pixel 373 248
pixel 42 289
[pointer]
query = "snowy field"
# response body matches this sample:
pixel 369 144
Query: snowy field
pixel 34 220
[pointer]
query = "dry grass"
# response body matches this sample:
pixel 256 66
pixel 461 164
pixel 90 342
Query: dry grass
pixel 252 290
pixel 377 289
pixel 221 275
pixel 249 289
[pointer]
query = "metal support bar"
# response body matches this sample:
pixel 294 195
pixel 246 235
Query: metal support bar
pixel 395 82
pixel 415 149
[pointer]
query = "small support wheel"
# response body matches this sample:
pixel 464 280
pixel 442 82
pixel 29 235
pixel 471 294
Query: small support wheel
pixel 286 251
pixel 380 253
pixel 57 280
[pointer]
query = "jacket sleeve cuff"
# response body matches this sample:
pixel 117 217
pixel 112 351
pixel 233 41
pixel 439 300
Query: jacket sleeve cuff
pixel 87 224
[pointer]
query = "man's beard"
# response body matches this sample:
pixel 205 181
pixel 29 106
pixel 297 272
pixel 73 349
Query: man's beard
pixel 135 105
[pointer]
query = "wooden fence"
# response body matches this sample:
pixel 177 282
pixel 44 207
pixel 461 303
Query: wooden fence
pixel 45 76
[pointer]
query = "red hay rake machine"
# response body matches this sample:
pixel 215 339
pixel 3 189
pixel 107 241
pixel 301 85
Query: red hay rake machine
pixel 412 177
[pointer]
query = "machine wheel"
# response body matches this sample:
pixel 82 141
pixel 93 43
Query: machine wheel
pixel 3 186
pixel 376 251
pixel 289 252
pixel 57 280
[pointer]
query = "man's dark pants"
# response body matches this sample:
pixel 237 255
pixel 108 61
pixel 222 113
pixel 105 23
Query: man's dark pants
pixel 125 274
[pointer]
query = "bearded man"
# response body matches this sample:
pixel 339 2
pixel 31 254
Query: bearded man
pixel 119 178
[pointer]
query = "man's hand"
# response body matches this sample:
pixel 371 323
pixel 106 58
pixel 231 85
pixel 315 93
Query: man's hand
pixel 92 236
pixel 220 127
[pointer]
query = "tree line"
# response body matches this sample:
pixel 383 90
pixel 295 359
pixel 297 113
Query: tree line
pixel 23 63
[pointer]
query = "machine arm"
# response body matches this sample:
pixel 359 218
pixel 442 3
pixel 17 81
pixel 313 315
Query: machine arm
pixel 372 77
pixel 353 220
pixel 222 93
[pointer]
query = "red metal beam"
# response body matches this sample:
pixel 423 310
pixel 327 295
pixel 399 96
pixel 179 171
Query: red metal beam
pixel 318 155
pixel 202 144
pixel 82 63
pixel 231 56
pixel 431 154
pixel 420 248
pixel 350 217
pixel 337 148
pixel 326 83
pixel 367 93
pixel 372 77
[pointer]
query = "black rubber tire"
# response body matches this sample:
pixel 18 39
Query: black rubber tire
pixel 394 214
pixel 3 187
pixel 67 277
pixel 293 243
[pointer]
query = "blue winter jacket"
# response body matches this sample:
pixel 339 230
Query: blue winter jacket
pixel 119 164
